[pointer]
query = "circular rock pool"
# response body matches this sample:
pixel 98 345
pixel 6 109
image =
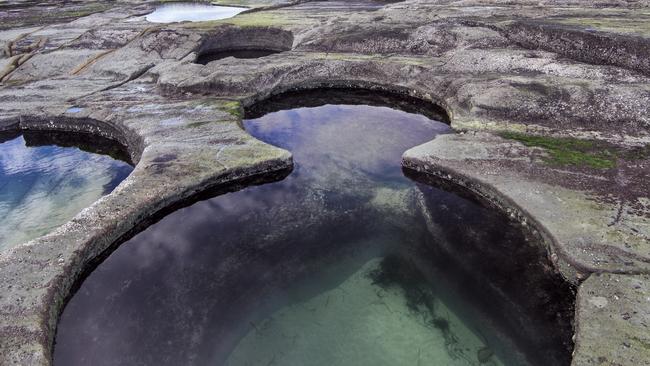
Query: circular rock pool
pixel 347 260
pixel 46 178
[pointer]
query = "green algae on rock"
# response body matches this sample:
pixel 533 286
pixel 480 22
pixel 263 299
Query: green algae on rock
pixel 569 151
pixel 580 152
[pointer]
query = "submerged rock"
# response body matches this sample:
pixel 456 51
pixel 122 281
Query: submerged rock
pixel 484 354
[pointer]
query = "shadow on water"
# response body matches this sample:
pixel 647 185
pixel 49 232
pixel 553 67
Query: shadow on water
pixel 46 177
pixel 85 142
pixel 344 261
pixel 362 97
pixel 499 268
pixel 248 53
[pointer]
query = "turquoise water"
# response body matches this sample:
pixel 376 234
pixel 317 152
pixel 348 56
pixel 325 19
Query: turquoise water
pixel 347 260
pixel 43 185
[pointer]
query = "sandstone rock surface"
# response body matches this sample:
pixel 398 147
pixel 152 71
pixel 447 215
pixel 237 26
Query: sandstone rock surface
pixel 521 77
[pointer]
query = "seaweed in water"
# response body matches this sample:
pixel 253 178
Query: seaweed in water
pixel 397 271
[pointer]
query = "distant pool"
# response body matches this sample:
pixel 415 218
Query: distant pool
pixel 45 182
pixel 193 12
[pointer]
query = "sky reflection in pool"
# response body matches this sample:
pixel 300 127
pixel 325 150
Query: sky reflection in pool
pixel 343 262
pixel 43 185
pixel 193 12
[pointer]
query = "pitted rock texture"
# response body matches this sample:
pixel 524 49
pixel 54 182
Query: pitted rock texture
pixel 607 302
pixel 553 68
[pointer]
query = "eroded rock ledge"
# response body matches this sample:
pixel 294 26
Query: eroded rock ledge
pixel 524 79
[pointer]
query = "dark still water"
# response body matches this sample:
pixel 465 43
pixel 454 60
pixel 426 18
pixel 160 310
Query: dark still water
pixel 46 178
pixel 346 261
pixel 204 59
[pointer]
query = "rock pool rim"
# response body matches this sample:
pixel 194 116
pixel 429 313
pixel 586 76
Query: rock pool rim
pixel 128 145
pixel 570 270
pixel 473 191
pixel 84 141
pixel 306 96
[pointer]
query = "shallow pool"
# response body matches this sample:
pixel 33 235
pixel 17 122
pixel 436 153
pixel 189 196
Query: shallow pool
pixel 345 261
pixel 193 12
pixel 46 179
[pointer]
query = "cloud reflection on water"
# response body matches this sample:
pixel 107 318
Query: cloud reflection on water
pixel 43 187
pixel 193 12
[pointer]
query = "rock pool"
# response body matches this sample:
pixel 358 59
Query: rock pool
pixel 345 261
pixel 46 178
pixel 193 12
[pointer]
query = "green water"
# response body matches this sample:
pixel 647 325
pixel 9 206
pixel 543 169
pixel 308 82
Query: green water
pixel 361 323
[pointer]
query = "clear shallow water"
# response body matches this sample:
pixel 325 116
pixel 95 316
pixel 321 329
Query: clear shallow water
pixel 44 185
pixel 345 261
pixel 193 12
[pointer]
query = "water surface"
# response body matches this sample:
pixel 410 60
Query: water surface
pixel 250 53
pixel 345 261
pixel 45 180
pixel 193 12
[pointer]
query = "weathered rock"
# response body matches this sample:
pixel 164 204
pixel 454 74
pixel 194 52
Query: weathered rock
pixel 612 320
pixel 53 64
pixel 591 221
pixel 559 68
